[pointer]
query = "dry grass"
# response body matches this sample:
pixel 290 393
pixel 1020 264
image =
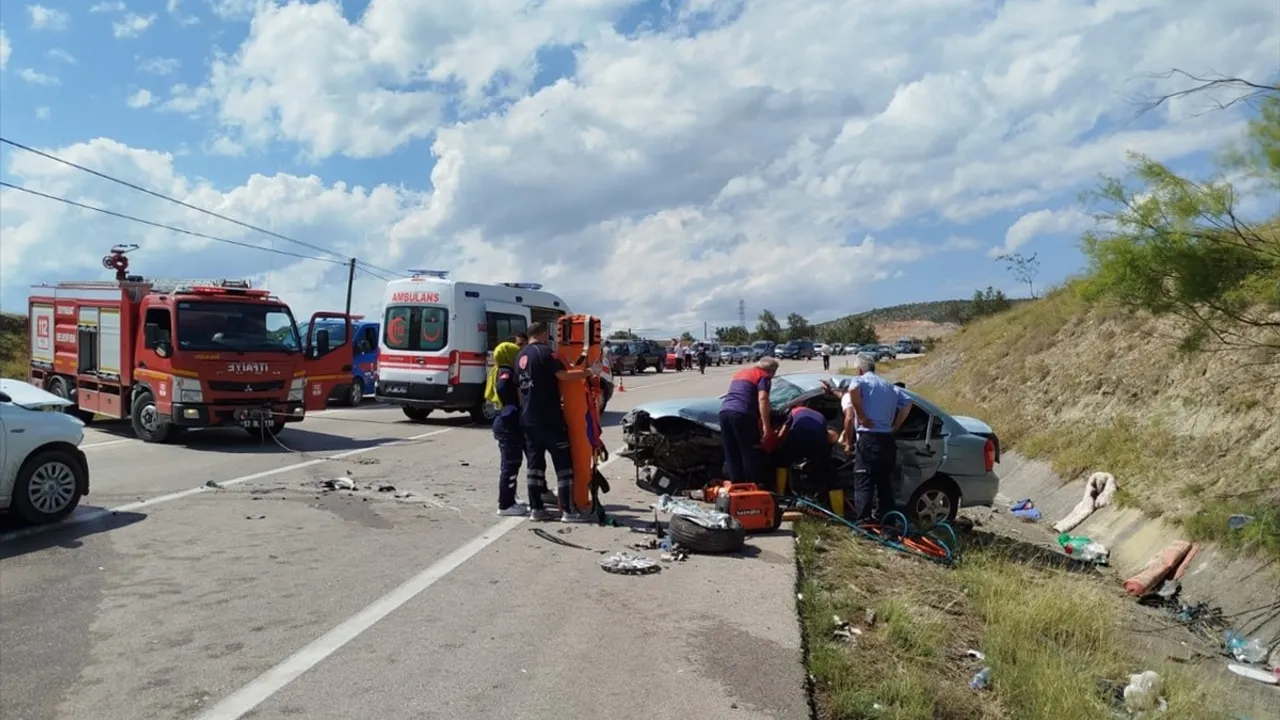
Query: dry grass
pixel 14 355
pixel 1192 437
pixel 1053 640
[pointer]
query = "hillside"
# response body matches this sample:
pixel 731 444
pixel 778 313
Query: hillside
pixel 1192 436
pixel 13 345
pixel 933 319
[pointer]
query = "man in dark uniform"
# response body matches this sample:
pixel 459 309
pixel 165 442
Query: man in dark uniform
pixel 804 438
pixel 538 373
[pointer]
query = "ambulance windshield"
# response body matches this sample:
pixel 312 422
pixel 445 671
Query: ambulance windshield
pixel 230 326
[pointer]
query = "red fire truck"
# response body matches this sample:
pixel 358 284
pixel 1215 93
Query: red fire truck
pixel 171 355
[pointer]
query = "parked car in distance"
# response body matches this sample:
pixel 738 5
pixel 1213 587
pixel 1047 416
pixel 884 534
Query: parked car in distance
pixel 744 352
pixel 730 355
pixel 762 348
pixel 797 350
pixel 636 356
pixel 43 471
pixel 713 353
pixel 887 352
pixel 945 461
pixel 619 358
pixel 837 348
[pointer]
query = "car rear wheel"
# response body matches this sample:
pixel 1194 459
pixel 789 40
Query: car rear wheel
pixel 933 502
pixel 48 486
pixel 355 395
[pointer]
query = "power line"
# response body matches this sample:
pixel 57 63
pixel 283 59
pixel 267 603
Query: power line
pixel 163 226
pixel 187 205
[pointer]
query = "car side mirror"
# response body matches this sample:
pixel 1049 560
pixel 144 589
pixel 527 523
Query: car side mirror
pixel 321 347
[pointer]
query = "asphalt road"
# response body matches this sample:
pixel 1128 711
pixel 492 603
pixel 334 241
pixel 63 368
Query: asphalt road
pixel 214 579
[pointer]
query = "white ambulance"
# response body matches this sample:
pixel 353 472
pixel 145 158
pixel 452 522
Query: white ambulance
pixel 438 337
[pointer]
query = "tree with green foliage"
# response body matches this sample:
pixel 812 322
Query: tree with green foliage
pixel 733 335
pixel 798 328
pixel 1025 268
pixel 621 335
pixel 768 327
pixel 1173 246
pixel 687 336
pixel 986 302
pixel 854 329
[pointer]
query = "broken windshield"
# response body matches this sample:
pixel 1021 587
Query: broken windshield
pixel 783 393
pixel 240 327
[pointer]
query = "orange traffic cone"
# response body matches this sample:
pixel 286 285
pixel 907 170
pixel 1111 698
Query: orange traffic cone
pixel 622 385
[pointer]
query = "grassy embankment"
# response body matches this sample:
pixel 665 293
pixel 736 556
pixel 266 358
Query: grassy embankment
pixel 1190 437
pixel 1053 639
pixel 14 356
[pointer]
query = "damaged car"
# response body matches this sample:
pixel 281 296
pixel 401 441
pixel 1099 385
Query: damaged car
pixel 945 462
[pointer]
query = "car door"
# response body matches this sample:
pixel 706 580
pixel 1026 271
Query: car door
pixel 7 475
pixel 921 451
pixel 326 367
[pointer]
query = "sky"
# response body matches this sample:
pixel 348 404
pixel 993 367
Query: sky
pixel 653 162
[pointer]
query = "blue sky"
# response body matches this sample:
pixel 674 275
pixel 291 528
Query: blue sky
pixel 651 161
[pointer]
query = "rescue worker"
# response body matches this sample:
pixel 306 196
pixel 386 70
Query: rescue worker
pixel 538 372
pixel 704 357
pixel 745 420
pixel 826 356
pixel 804 438
pixel 874 409
pixel 502 391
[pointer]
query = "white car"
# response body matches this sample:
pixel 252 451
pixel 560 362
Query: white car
pixel 43 472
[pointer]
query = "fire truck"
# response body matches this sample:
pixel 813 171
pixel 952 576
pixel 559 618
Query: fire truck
pixel 170 355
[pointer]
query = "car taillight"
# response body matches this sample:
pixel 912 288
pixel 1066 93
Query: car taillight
pixel 989 454
pixel 455 367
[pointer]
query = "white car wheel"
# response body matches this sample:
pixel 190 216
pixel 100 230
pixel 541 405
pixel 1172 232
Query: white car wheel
pixel 47 487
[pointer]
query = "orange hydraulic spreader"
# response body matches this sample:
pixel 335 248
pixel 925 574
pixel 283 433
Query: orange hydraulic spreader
pixel 579 346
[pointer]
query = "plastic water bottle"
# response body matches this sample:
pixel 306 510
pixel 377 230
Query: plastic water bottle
pixel 1072 544
pixel 981 680
pixel 1093 552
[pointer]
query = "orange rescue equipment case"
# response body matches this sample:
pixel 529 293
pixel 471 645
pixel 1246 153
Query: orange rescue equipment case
pixel 756 509
pixel 579 346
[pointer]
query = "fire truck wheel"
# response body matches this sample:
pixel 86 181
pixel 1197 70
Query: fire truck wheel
pixel 146 420
pixel 416 414
pixel 48 486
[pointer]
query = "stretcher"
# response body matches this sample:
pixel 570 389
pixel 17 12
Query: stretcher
pixel 579 346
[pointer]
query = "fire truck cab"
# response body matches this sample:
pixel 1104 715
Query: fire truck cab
pixel 438 334
pixel 177 354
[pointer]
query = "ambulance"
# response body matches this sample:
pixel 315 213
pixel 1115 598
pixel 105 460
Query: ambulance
pixel 438 337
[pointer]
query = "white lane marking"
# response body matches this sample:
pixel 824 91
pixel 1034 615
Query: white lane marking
pixel 80 518
pixel 244 700
pixel 107 443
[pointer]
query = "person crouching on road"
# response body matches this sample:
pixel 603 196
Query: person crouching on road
pixel 502 391
pixel 539 373
pixel 745 421
pixel 804 438
pixel 874 409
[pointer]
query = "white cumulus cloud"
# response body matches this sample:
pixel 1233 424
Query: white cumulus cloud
pixel 1071 221
pixel 787 155
pixel 132 25
pixel 140 99
pixel 43 18
pixel 5 49
pixel 37 78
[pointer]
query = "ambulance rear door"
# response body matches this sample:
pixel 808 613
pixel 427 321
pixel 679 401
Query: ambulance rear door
pixel 414 350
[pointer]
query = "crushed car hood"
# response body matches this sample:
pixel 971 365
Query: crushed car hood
pixel 29 396
pixel 704 411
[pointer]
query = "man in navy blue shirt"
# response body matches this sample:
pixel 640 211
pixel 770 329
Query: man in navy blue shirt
pixel 874 409
pixel 538 372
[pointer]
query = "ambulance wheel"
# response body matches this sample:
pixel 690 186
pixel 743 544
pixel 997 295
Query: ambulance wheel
pixel 416 414
pixel 147 422
pixel 485 413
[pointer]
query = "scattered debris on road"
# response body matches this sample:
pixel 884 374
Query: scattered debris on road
pixel 338 484
pixel 624 563
pixel 561 541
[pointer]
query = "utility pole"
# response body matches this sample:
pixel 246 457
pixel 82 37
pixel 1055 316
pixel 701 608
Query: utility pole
pixel 351 281
pixel 705 336
pixel 742 313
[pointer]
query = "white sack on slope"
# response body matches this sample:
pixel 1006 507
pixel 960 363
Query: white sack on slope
pixel 1098 492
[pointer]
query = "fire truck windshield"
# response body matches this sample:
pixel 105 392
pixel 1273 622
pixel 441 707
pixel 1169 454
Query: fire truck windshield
pixel 231 326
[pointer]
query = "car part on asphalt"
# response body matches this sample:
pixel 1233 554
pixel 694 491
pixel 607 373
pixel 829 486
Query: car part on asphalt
pixel 696 538
pixel 624 563
pixel 561 541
